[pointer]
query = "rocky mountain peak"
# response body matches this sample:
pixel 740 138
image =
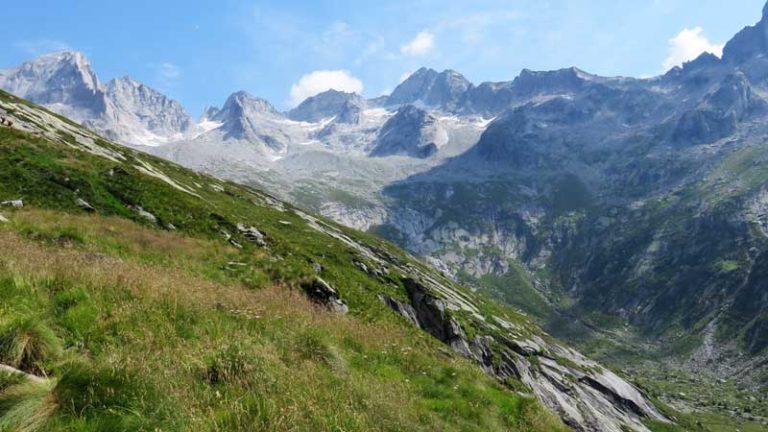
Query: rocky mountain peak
pixel 64 78
pixel 124 109
pixel 533 82
pixel 705 60
pixel 331 103
pixel 51 66
pixel 749 43
pixel 427 87
pixel 209 112
pixel 243 104
pixel 252 119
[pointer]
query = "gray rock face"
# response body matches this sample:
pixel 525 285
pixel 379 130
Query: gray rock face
pixel 427 87
pixel 531 83
pixel 350 113
pixel 411 132
pixel 148 108
pixel 489 98
pixel 720 112
pixel 345 107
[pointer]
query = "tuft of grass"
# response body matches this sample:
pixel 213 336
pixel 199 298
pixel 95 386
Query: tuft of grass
pixel 110 398
pixel 29 345
pixel 233 364
pixel 27 406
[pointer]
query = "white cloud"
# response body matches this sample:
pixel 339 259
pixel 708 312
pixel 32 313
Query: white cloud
pixel 322 80
pixel 404 76
pixel 421 45
pixel 689 44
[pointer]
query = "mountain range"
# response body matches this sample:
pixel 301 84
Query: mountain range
pixel 140 295
pixel 627 215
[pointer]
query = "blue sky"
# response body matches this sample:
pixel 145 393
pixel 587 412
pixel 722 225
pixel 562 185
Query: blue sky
pixel 201 51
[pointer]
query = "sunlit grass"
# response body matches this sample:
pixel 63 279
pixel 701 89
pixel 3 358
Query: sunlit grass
pixel 151 343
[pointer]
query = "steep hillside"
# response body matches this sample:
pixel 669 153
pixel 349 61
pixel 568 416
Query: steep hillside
pixel 139 296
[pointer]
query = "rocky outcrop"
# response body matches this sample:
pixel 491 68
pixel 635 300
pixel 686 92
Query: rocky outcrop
pixel 64 80
pixel 323 293
pixel 243 117
pixel 83 204
pixel 142 112
pixel 12 203
pixel 410 132
pixel 149 217
pixel 587 396
pixel 252 235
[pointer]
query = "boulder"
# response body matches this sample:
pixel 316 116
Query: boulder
pixel 252 235
pixel 323 293
pixel 12 203
pixel 145 214
pixel 84 205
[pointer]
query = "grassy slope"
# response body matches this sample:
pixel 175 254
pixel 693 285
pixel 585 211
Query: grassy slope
pixel 140 328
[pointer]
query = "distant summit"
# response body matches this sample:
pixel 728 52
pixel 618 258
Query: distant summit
pixel 429 88
pixel 750 43
pixel 331 103
pixel 123 109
